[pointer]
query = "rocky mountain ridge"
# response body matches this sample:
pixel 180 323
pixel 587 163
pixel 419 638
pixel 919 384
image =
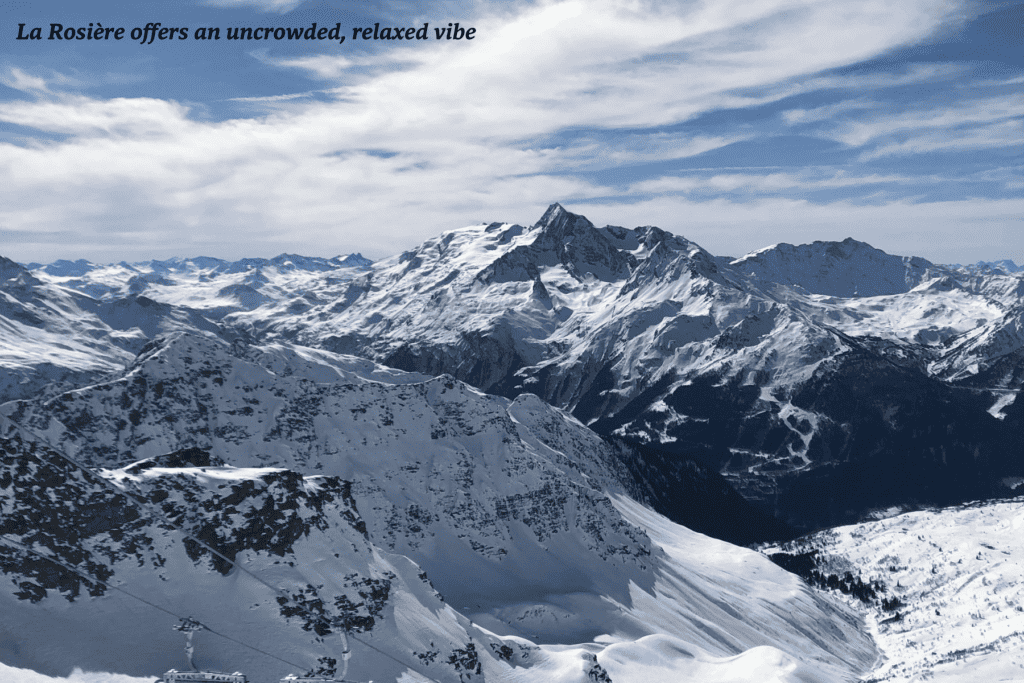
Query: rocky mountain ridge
pixel 344 497
pixel 744 365
pixel 644 335
pixel 469 461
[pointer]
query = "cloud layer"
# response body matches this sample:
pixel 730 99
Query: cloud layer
pixel 609 107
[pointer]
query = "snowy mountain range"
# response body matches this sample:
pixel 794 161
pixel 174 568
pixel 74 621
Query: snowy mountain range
pixel 786 370
pixel 451 533
pixel 474 458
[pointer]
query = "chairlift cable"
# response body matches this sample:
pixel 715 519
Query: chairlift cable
pixel 158 515
pixel 93 579
pixel 145 505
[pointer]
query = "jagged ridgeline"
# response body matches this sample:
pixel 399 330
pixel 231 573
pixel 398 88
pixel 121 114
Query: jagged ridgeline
pixel 294 448
pixel 822 380
pixel 788 370
pixel 478 491
pixel 144 534
pixel 283 496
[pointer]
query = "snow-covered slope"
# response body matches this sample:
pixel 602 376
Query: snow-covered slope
pixel 838 269
pixel 345 495
pixel 11 674
pixel 169 407
pixel 1002 265
pixel 70 323
pixel 991 355
pixel 46 336
pixel 762 368
pixel 952 586
pixel 284 405
pixel 645 335
pixel 294 570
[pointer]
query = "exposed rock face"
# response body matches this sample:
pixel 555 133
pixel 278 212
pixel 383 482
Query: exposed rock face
pixel 227 545
pixel 560 239
pixel 743 365
pixel 191 392
pixel 286 496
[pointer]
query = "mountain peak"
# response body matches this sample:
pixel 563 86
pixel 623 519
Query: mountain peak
pixel 65 268
pixel 566 239
pixel 1006 266
pixel 847 248
pixel 552 213
pixel 12 271
pixel 845 269
pixel 354 260
pixel 557 222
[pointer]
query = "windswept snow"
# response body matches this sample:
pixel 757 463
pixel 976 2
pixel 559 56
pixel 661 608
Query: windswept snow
pixel 335 492
pixel 9 674
pixel 258 406
pixel 957 574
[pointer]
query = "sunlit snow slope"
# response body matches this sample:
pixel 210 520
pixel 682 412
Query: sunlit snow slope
pixel 956 578
pixel 344 505
pixel 788 370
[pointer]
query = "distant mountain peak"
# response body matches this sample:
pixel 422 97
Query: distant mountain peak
pixel 1006 266
pixel 557 222
pixel 560 238
pixel 845 269
pixel 64 268
pixel 354 260
pixel 9 269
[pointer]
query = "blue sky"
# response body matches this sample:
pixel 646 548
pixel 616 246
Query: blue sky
pixel 735 124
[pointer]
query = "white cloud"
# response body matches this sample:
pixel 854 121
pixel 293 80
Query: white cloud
pixel 266 5
pixel 1005 134
pixel 85 117
pixel 269 99
pixel 19 80
pixel 972 124
pixel 134 177
pixel 827 112
pixel 767 182
pixel 913 74
pixel 324 66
